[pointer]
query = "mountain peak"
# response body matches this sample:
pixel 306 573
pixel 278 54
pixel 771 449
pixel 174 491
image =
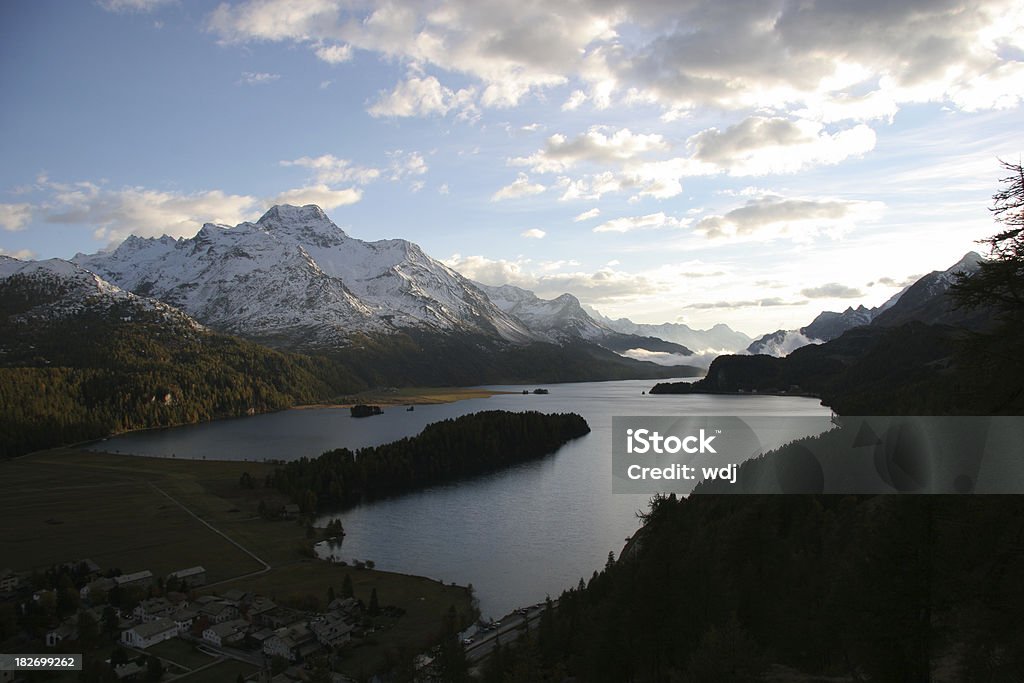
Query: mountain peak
pixel 289 214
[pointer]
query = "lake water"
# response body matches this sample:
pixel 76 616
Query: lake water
pixel 517 535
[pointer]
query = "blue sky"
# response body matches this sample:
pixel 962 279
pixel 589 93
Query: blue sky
pixel 751 163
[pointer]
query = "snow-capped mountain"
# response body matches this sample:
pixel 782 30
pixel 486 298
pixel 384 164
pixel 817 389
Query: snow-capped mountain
pixel 559 318
pixel 38 291
pixel 564 319
pixel 923 301
pixel 926 300
pixel 719 338
pixel 295 278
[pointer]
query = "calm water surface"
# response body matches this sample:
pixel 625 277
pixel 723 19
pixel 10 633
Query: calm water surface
pixel 516 535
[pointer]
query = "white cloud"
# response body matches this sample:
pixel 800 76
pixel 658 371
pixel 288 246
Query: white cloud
pixel 260 78
pixel 115 214
pixel 444 189
pixel 533 233
pixel 631 223
pixel 329 169
pixel 15 216
pixel 799 219
pixel 759 145
pixel 404 164
pixel 334 54
pixel 659 357
pixel 602 286
pixel 520 187
pixel 323 196
pixel 422 97
pixel 832 290
pixel 772 55
pixel 577 98
pixel 124 6
pixel 596 146
pixel 21 254
pixel 587 215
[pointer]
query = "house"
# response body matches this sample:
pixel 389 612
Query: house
pixel 331 630
pixel 68 630
pixel 143 579
pixel 218 612
pixel 279 617
pixel 192 577
pixel 229 633
pixel 130 671
pixel 150 633
pixel 9 581
pixel 258 605
pixel 152 609
pixel 184 618
pixel 290 511
pixel 290 642
pixel 97 587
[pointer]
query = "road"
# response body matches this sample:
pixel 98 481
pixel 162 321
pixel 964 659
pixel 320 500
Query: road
pixel 511 626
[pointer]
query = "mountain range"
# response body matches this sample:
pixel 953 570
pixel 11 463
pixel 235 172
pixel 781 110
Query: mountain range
pixel 922 301
pixel 295 280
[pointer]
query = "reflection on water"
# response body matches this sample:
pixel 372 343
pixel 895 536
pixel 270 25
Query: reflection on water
pixel 516 535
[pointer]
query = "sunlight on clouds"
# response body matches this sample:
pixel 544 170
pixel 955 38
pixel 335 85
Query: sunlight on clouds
pixel 321 195
pixel 15 216
pixel 520 187
pixel 533 233
pixel 771 217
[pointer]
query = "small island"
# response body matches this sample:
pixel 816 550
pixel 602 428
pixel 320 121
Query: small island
pixel 363 410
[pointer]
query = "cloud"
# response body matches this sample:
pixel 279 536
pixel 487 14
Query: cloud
pixel 126 6
pixel 755 303
pixel 15 216
pixel 520 187
pixel 334 54
pixel 799 219
pixel 405 164
pixel 444 189
pixel 533 233
pixel 595 146
pixel 329 169
pixel 261 78
pixel 759 145
pixel 647 222
pixel 587 215
pixel 659 357
pixel 602 286
pixel 322 195
pixel 833 290
pixel 115 214
pixel 772 56
pixel 905 282
pixel 21 254
pixel 421 97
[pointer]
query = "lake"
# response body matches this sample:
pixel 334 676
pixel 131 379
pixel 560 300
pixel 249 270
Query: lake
pixel 517 535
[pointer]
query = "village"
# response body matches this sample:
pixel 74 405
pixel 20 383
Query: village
pixel 140 611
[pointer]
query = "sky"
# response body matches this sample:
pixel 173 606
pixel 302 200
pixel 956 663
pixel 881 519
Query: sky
pixel 699 161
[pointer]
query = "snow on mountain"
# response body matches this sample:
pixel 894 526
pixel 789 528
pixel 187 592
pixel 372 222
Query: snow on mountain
pixel 559 318
pixel 780 343
pixel 294 277
pixel 718 339
pixel 55 289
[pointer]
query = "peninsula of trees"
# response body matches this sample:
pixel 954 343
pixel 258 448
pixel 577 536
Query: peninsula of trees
pixel 444 451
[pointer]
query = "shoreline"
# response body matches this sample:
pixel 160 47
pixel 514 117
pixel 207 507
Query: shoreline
pixel 406 397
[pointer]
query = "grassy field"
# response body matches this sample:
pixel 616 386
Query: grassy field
pixel 139 513
pixel 224 672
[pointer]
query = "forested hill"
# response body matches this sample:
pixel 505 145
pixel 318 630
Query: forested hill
pixel 92 375
pixel 444 451
pixel 757 588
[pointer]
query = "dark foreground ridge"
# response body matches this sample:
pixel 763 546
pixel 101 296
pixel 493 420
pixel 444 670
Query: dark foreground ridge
pixel 444 451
